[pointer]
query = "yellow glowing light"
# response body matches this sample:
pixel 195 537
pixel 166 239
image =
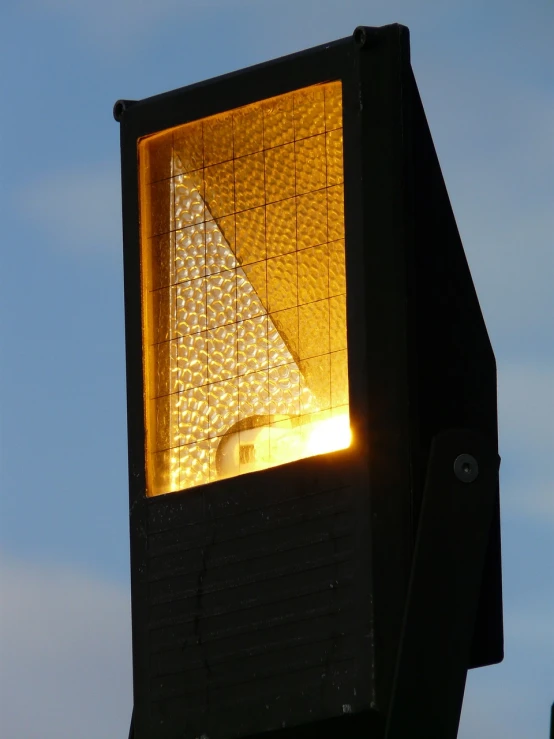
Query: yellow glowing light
pixel 287 440
pixel 329 435
pixel 242 243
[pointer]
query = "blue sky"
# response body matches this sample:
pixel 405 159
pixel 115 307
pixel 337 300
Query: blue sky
pixel 485 73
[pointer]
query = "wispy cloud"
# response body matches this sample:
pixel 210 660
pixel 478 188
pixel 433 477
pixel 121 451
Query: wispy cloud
pixel 526 421
pixel 65 661
pixel 531 626
pixel 77 210
pixel 65 654
pixel 526 392
pixel 275 27
pixel 511 701
pixel 112 25
pixel 494 143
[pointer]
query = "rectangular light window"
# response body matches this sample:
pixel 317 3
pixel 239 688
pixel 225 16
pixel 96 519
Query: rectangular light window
pixel 244 290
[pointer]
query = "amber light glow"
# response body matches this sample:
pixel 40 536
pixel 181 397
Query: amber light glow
pixel 244 290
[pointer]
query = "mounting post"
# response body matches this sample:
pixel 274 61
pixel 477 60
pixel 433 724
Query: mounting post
pixel 445 584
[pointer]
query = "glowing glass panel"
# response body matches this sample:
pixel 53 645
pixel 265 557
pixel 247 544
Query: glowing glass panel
pixel 244 291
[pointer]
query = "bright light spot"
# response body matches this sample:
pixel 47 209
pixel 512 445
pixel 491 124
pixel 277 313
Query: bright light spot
pixel 260 447
pixel 329 435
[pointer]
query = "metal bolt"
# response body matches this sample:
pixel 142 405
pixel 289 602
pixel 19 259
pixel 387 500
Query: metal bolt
pixel 466 468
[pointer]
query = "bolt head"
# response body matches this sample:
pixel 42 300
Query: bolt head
pixel 466 468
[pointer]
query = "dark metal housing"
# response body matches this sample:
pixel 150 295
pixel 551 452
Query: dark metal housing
pixel 275 600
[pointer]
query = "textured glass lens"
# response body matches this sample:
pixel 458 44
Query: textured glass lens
pixel 243 278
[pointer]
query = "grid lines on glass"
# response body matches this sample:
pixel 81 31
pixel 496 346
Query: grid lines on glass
pixel 243 273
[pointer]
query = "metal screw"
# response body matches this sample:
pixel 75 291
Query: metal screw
pixel 466 468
